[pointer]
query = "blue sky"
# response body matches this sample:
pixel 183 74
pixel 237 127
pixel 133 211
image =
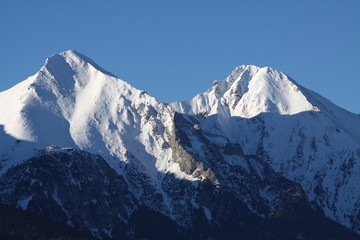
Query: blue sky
pixel 175 49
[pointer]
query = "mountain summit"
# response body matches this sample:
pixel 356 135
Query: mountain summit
pixel 254 150
pixel 248 91
pixel 41 105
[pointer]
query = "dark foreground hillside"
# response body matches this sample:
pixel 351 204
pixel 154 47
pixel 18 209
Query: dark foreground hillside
pixel 294 219
pixel 16 224
pixel 257 156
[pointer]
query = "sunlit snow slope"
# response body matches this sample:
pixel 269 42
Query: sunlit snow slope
pixel 72 102
pixel 300 134
pixel 256 123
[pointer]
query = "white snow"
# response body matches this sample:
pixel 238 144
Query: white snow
pixel 72 102
pixel 247 92
pixel 305 137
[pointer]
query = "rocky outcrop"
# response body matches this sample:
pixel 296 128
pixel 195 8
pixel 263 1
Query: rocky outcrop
pixel 73 187
pixel 247 154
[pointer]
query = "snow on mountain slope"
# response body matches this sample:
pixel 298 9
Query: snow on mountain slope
pixel 296 131
pixel 71 102
pixel 237 137
pixel 346 121
pixel 73 187
pixel 248 91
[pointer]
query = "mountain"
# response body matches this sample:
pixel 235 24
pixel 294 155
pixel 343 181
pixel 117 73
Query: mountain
pixel 256 156
pixel 301 135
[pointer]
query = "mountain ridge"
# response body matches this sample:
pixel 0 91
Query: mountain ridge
pixel 250 90
pixel 248 137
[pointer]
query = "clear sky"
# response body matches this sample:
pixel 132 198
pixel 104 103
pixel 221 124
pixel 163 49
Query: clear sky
pixel 174 49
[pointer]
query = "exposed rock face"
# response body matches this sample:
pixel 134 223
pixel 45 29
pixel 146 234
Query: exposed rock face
pixel 71 186
pixel 255 152
pixel 82 190
pixel 263 113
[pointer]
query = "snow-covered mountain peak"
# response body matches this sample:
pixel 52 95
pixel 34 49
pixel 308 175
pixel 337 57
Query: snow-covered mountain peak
pixel 73 59
pixel 70 59
pixel 71 102
pixel 68 70
pixel 68 91
pixel 252 69
pixel 69 55
pixel 248 91
pixel 164 156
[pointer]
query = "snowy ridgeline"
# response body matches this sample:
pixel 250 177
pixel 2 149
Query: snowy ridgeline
pixel 255 120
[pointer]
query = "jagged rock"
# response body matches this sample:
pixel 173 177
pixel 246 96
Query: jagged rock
pixel 253 149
